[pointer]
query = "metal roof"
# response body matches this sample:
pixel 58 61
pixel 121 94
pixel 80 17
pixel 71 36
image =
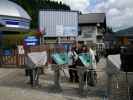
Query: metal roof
pixel 92 18
pixel 8 8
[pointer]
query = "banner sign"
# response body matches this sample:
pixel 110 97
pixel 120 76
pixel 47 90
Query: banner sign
pixel 16 23
pixel 70 31
pixel 7 52
pixel 59 30
pixel 66 30
pixel 31 41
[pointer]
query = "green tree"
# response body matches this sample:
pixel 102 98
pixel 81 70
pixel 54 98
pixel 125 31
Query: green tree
pixel 109 30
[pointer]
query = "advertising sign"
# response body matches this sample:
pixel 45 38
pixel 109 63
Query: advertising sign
pixel 59 30
pixel 7 52
pixel 66 30
pixel 31 41
pixel 16 23
pixel 70 31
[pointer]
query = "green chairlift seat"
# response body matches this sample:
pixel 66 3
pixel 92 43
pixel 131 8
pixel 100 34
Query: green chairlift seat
pixel 60 58
pixel 85 58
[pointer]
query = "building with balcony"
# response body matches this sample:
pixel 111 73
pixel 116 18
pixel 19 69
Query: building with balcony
pixel 92 26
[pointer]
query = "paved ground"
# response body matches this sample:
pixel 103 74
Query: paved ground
pixel 13 86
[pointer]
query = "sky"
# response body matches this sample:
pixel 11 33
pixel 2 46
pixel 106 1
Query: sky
pixel 119 13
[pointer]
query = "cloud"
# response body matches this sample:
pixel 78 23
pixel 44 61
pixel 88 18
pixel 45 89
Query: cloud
pixel 80 5
pixel 119 13
pixel 114 12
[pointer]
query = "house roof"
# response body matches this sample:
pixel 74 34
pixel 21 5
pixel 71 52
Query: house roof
pixel 92 18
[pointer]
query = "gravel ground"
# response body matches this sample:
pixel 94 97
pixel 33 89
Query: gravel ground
pixel 14 86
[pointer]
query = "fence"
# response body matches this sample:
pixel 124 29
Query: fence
pixel 119 86
pixel 13 59
pixel 19 60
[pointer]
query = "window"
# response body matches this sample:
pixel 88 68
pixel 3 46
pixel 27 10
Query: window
pixel 88 31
